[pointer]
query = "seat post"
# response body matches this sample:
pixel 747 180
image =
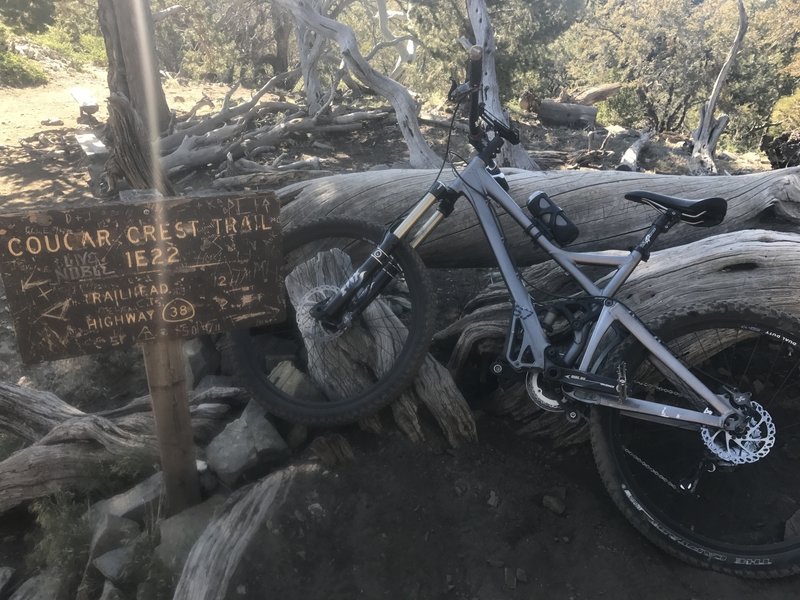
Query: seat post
pixel 663 223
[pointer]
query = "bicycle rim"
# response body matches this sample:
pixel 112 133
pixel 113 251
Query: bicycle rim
pixel 308 373
pixel 743 516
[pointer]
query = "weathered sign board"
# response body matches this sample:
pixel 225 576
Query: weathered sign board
pixel 87 279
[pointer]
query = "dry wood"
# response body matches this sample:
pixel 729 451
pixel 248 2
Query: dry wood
pixel 510 156
pixel 565 114
pixel 748 267
pixel 630 159
pixel 421 154
pixel 271 179
pixel 594 200
pixel 215 556
pixel 240 111
pixel 597 93
pixel 343 365
pixel 166 379
pixel 74 448
pixel 130 153
pixel 129 43
pixel 707 134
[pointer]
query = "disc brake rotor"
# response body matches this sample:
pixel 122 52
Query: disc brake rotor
pixel 753 445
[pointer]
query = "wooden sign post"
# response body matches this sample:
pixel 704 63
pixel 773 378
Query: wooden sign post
pixel 145 270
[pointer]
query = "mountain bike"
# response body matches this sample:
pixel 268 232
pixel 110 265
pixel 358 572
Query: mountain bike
pixel 694 418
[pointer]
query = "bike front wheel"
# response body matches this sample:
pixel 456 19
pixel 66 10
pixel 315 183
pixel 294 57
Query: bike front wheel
pixel 726 502
pixel 305 372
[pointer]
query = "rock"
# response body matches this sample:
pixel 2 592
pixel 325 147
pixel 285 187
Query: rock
pixel 44 586
pixel 510 578
pixel 52 122
pixel 294 382
pixel 133 504
pixel 208 481
pixel 248 441
pixel 6 573
pixel 181 531
pixel 554 504
pixel 115 565
pixel 494 499
pixel 112 532
pixel 110 592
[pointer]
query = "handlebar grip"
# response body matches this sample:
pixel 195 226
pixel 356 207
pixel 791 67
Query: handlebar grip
pixel 475 73
pixel 475 66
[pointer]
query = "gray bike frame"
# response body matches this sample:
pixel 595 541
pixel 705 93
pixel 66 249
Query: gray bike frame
pixel 480 189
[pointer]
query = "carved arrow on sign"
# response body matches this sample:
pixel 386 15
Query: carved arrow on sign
pixel 28 284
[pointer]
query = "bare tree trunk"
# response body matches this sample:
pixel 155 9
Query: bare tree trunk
pixel 706 136
pixel 311 46
pixel 120 27
pixel 421 155
pixel 511 156
pixel 281 27
pixel 403 55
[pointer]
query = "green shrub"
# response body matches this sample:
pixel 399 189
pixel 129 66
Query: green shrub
pixel 63 545
pixel 79 50
pixel 787 113
pixel 18 71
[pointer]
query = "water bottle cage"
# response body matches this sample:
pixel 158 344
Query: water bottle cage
pixel 549 215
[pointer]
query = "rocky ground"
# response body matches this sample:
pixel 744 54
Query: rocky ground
pixel 508 517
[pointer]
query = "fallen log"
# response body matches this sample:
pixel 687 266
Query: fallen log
pixel 344 365
pixel 594 200
pixel 597 93
pixel 71 449
pixel 552 112
pixel 215 556
pixel 745 266
pixel 630 159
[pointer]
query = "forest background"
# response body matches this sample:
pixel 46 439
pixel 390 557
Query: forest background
pixel 666 53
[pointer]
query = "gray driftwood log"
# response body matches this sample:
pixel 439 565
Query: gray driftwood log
pixel 70 449
pixel 342 365
pixel 749 267
pixel 594 200
pixel 216 554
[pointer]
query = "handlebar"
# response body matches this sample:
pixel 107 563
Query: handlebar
pixel 475 74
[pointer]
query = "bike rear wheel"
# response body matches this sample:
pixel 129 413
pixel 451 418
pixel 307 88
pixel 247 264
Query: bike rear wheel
pixel 732 505
pixel 307 373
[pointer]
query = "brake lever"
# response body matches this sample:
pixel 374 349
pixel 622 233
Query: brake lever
pixel 459 93
pixel 510 134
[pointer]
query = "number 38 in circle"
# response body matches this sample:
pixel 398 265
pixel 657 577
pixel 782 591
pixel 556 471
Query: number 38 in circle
pixel 178 310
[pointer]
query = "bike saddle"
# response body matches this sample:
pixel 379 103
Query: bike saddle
pixel 698 213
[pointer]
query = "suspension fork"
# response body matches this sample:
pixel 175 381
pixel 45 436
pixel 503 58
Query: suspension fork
pixel 372 276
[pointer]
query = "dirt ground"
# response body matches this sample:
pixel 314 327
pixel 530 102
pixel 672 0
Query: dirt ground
pixel 398 522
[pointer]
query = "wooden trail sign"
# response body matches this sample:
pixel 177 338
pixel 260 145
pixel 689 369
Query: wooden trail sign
pixel 88 279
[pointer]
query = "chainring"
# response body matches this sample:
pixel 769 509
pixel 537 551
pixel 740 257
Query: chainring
pixel 544 397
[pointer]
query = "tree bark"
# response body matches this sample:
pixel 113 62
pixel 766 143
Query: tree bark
pixel 511 156
pixel 564 114
pixel 343 365
pixel 215 556
pixel 630 159
pixel 421 155
pixel 71 449
pixel 707 134
pixel 121 28
pixel 597 93
pixel 594 200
